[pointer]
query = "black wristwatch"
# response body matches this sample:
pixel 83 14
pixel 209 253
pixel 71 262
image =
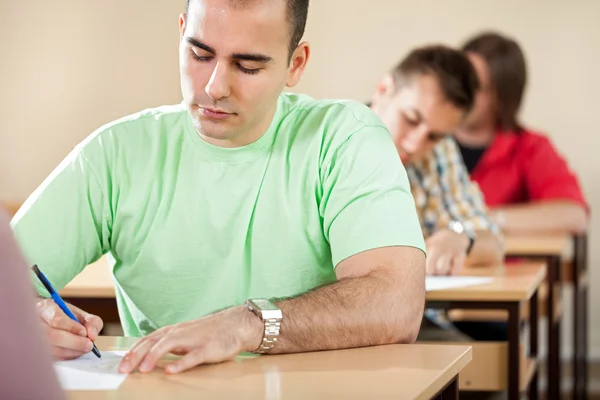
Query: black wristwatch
pixel 458 227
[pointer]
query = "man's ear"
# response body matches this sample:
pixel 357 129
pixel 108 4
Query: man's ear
pixel 298 64
pixel 386 85
pixel 182 23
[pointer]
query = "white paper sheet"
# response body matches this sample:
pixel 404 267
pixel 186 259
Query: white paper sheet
pixel 89 372
pixel 452 282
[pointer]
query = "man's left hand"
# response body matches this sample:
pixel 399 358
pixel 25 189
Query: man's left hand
pixel 446 252
pixel 212 339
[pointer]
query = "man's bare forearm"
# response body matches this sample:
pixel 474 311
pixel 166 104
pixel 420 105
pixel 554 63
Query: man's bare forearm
pixel 487 249
pixel 545 217
pixel 352 312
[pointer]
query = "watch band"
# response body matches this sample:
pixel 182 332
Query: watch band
pixel 471 243
pixel 272 319
pixel 271 334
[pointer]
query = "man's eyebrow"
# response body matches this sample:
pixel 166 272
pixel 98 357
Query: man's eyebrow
pixel 199 44
pixel 236 56
pixel 252 57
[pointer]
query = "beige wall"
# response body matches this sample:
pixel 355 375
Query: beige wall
pixel 63 73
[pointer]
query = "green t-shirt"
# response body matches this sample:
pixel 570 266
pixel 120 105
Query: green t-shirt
pixel 193 228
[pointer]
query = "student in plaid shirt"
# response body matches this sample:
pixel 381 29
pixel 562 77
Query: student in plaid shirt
pixel 422 102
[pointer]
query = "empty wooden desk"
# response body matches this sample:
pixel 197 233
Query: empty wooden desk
pixel 566 256
pixel 93 290
pixel 416 371
pixel 510 289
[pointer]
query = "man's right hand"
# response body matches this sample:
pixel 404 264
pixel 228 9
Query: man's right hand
pixel 67 338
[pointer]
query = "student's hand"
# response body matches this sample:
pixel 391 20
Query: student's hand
pixel 446 252
pixel 67 338
pixel 212 339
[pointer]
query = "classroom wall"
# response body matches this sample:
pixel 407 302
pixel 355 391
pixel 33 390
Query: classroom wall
pixel 69 66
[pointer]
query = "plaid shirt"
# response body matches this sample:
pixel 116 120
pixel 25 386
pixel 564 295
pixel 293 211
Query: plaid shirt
pixel 444 192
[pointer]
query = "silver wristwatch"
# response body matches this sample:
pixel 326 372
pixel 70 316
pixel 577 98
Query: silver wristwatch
pixel 271 316
pixel 458 227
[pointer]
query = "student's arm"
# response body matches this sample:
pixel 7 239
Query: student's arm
pixel 25 365
pixel 557 201
pixel 543 217
pixel 370 220
pixel 462 201
pixel 63 227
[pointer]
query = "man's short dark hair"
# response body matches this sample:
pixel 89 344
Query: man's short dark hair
pixel 508 74
pixel 297 13
pixel 452 69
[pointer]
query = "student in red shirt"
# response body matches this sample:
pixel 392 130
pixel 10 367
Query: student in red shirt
pixel 525 181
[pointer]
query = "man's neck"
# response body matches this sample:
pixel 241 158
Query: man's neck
pixel 476 135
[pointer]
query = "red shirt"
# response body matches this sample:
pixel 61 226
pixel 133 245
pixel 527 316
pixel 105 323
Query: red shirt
pixel 525 167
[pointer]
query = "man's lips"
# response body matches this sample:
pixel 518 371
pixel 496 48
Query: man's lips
pixel 215 113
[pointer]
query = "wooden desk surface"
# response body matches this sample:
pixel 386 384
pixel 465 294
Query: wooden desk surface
pixel 515 282
pixel 540 245
pixel 417 371
pixel 94 282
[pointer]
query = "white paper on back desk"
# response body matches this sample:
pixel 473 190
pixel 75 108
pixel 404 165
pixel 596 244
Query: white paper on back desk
pixel 453 282
pixel 89 372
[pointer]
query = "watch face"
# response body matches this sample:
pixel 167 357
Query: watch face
pixel 456 227
pixel 265 305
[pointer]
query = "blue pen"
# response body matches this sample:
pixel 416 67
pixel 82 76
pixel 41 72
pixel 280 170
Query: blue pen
pixel 57 299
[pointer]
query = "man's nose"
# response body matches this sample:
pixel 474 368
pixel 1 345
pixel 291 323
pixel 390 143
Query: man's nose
pixel 219 85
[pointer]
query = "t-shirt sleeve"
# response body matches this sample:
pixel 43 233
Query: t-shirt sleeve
pixel 64 225
pixel 547 174
pixel 367 202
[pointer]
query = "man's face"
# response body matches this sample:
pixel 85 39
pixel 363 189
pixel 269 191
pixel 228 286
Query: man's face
pixel 234 64
pixel 483 109
pixel 417 115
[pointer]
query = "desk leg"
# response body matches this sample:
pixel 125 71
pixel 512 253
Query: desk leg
pixel 514 353
pixel 580 328
pixel 554 374
pixel 450 392
pixel 533 343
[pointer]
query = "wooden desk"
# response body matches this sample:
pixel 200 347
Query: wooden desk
pixel 418 371
pixel 511 288
pixel 566 256
pixel 93 290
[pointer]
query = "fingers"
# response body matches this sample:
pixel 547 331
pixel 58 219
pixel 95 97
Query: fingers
pixel 457 264
pixel 55 318
pixel 69 341
pixel 136 354
pixel 93 324
pixel 61 353
pixel 186 362
pixel 443 265
pixel 160 349
pixel 430 263
pixel 206 354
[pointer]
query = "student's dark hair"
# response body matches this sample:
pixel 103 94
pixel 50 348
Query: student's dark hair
pixel 452 69
pixel 508 74
pixel 297 14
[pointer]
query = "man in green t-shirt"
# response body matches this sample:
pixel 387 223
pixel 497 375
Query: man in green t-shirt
pixel 292 216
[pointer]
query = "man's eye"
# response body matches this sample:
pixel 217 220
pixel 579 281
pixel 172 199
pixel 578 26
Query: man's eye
pixel 411 121
pixel 199 58
pixel 249 71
